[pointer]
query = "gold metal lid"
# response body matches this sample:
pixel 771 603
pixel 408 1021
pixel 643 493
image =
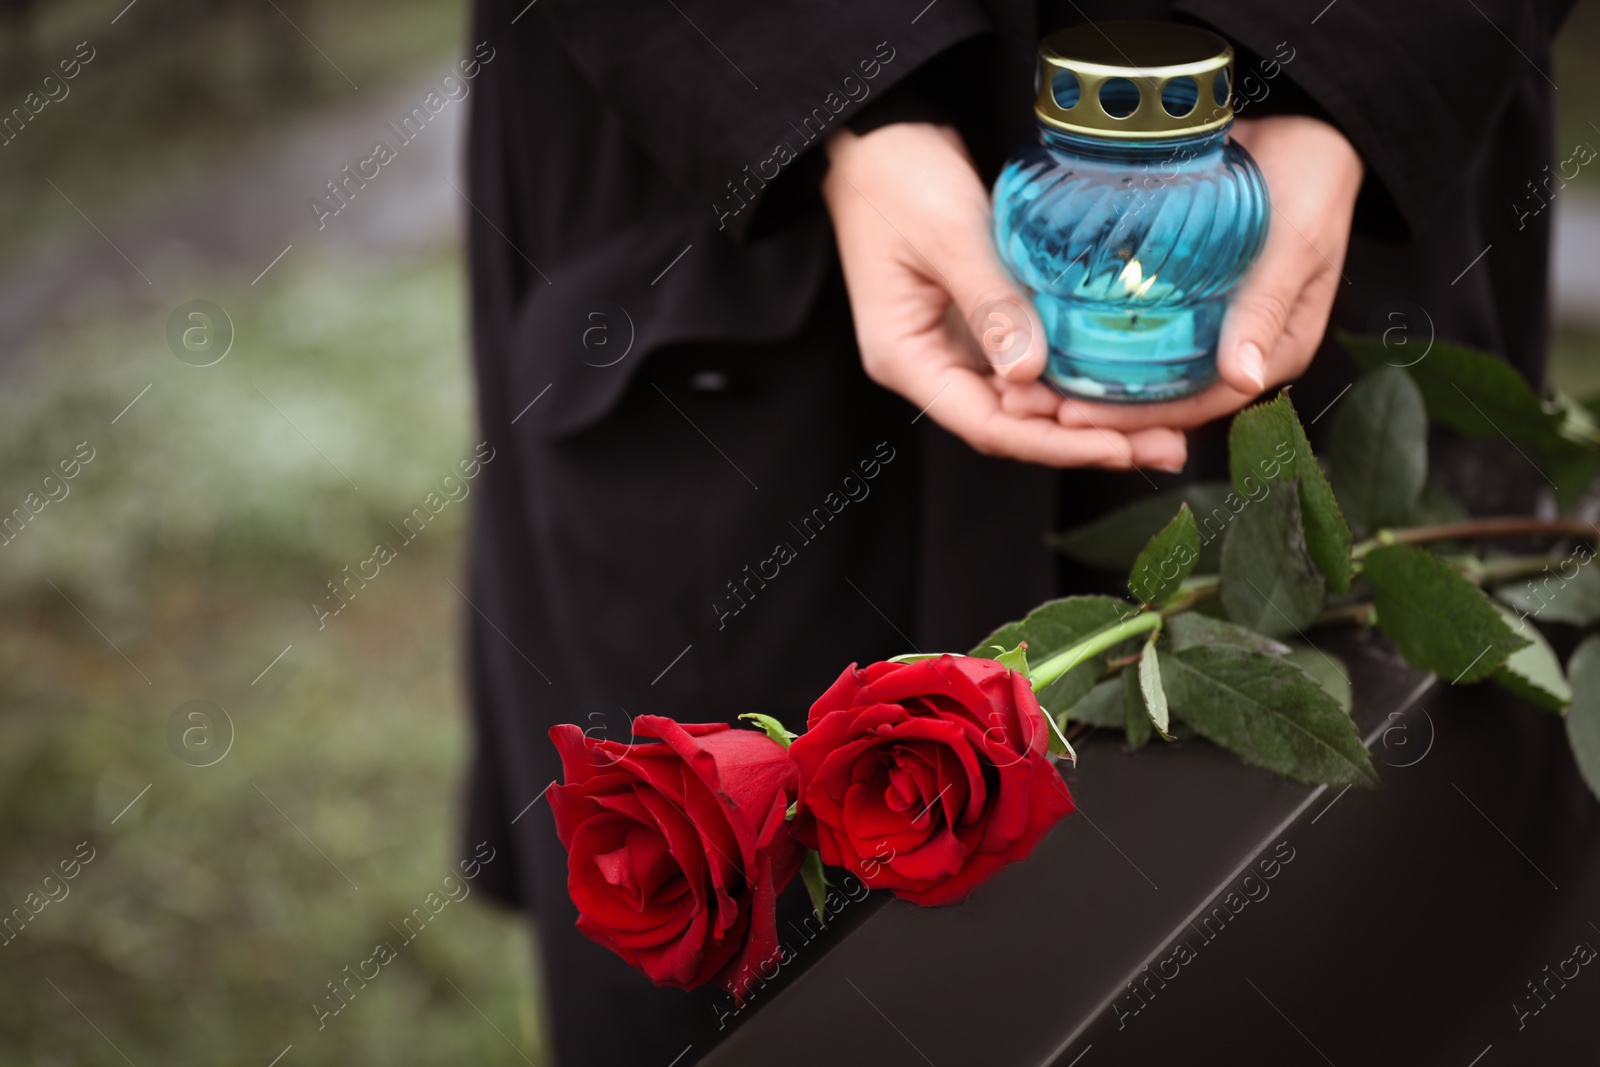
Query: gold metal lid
pixel 1124 80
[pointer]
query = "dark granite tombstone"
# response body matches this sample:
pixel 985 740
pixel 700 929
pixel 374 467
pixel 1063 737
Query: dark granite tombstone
pixel 1197 910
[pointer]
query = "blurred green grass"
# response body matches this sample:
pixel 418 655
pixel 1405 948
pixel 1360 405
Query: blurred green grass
pixel 183 559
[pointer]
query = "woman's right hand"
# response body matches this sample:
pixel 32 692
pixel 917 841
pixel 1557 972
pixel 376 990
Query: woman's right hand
pixel 938 320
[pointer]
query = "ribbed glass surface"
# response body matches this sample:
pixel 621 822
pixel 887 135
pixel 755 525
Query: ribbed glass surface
pixel 1131 251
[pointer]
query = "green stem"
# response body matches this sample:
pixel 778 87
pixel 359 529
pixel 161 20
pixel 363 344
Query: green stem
pixel 1063 661
pixel 1494 571
pixel 1194 591
pixel 1509 526
pixel 1201 589
pixel 1361 614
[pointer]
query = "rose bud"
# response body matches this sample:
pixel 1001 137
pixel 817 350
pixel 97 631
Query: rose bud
pixel 927 777
pixel 676 852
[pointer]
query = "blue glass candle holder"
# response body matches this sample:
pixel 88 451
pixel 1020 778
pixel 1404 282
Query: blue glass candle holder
pixel 1132 217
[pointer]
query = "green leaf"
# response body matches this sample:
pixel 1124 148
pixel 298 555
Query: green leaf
pixel 1267 711
pixel 1166 560
pixel 1267 444
pixel 1534 672
pixel 791 811
pixel 1554 597
pixel 1189 629
pixel 912 657
pixel 1269 582
pixel 1438 620
pixel 1056 625
pixel 1378 450
pixel 1059 746
pixel 1136 720
pixel 1583 717
pixel 1434 507
pixel 1155 697
pixel 1326 669
pixel 1112 541
pixel 1081 680
pixel 1473 392
pixel 1572 461
pixel 1571 467
pixel 1481 396
pixel 1101 706
pixel 816 880
pixel 1071 687
pixel 774 728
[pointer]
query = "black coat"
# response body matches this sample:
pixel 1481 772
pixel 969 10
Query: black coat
pixel 668 376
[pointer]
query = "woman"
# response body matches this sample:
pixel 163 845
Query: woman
pixel 726 260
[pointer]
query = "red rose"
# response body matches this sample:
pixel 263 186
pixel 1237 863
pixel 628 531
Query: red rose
pixel 927 777
pixel 676 852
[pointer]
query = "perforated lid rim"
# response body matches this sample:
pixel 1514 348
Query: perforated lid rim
pixel 1150 120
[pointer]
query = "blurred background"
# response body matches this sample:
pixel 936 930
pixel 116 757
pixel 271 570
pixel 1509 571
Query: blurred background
pixel 180 563
pixel 247 849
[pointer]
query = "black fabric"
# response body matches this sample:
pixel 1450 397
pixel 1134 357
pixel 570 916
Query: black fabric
pixel 667 372
pixel 1420 89
pixel 709 88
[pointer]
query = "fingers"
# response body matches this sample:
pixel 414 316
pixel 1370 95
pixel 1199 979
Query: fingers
pixel 1251 330
pixel 1278 317
pixel 1250 351
pixel 936 227
pixel 1161 448
pixel 1191 411
pixel 1028 398
pixel 1275 324
pixel 1036 398
pixel 1280 313
pixel 940 321
pixel 1005 327
pixel 968 405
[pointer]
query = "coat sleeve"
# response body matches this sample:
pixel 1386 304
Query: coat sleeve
pixel 1416 86
pixel 731 97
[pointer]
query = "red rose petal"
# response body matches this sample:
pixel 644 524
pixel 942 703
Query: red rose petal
pixel 941 856
pixel 650 863
pixel 676 851
pixel 597 895
pixel 981 866
pixel 616 869
pixel 841 694
pixel 927 777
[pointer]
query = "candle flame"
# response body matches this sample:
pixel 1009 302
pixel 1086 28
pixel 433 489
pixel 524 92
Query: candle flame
pixel 1132 277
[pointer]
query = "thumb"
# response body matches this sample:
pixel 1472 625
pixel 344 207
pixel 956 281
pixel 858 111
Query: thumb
pixel 1251 331
pixel 1001 317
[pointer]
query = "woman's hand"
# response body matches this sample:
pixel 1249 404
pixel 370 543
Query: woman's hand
pixel 1281 311
pixel 931 301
